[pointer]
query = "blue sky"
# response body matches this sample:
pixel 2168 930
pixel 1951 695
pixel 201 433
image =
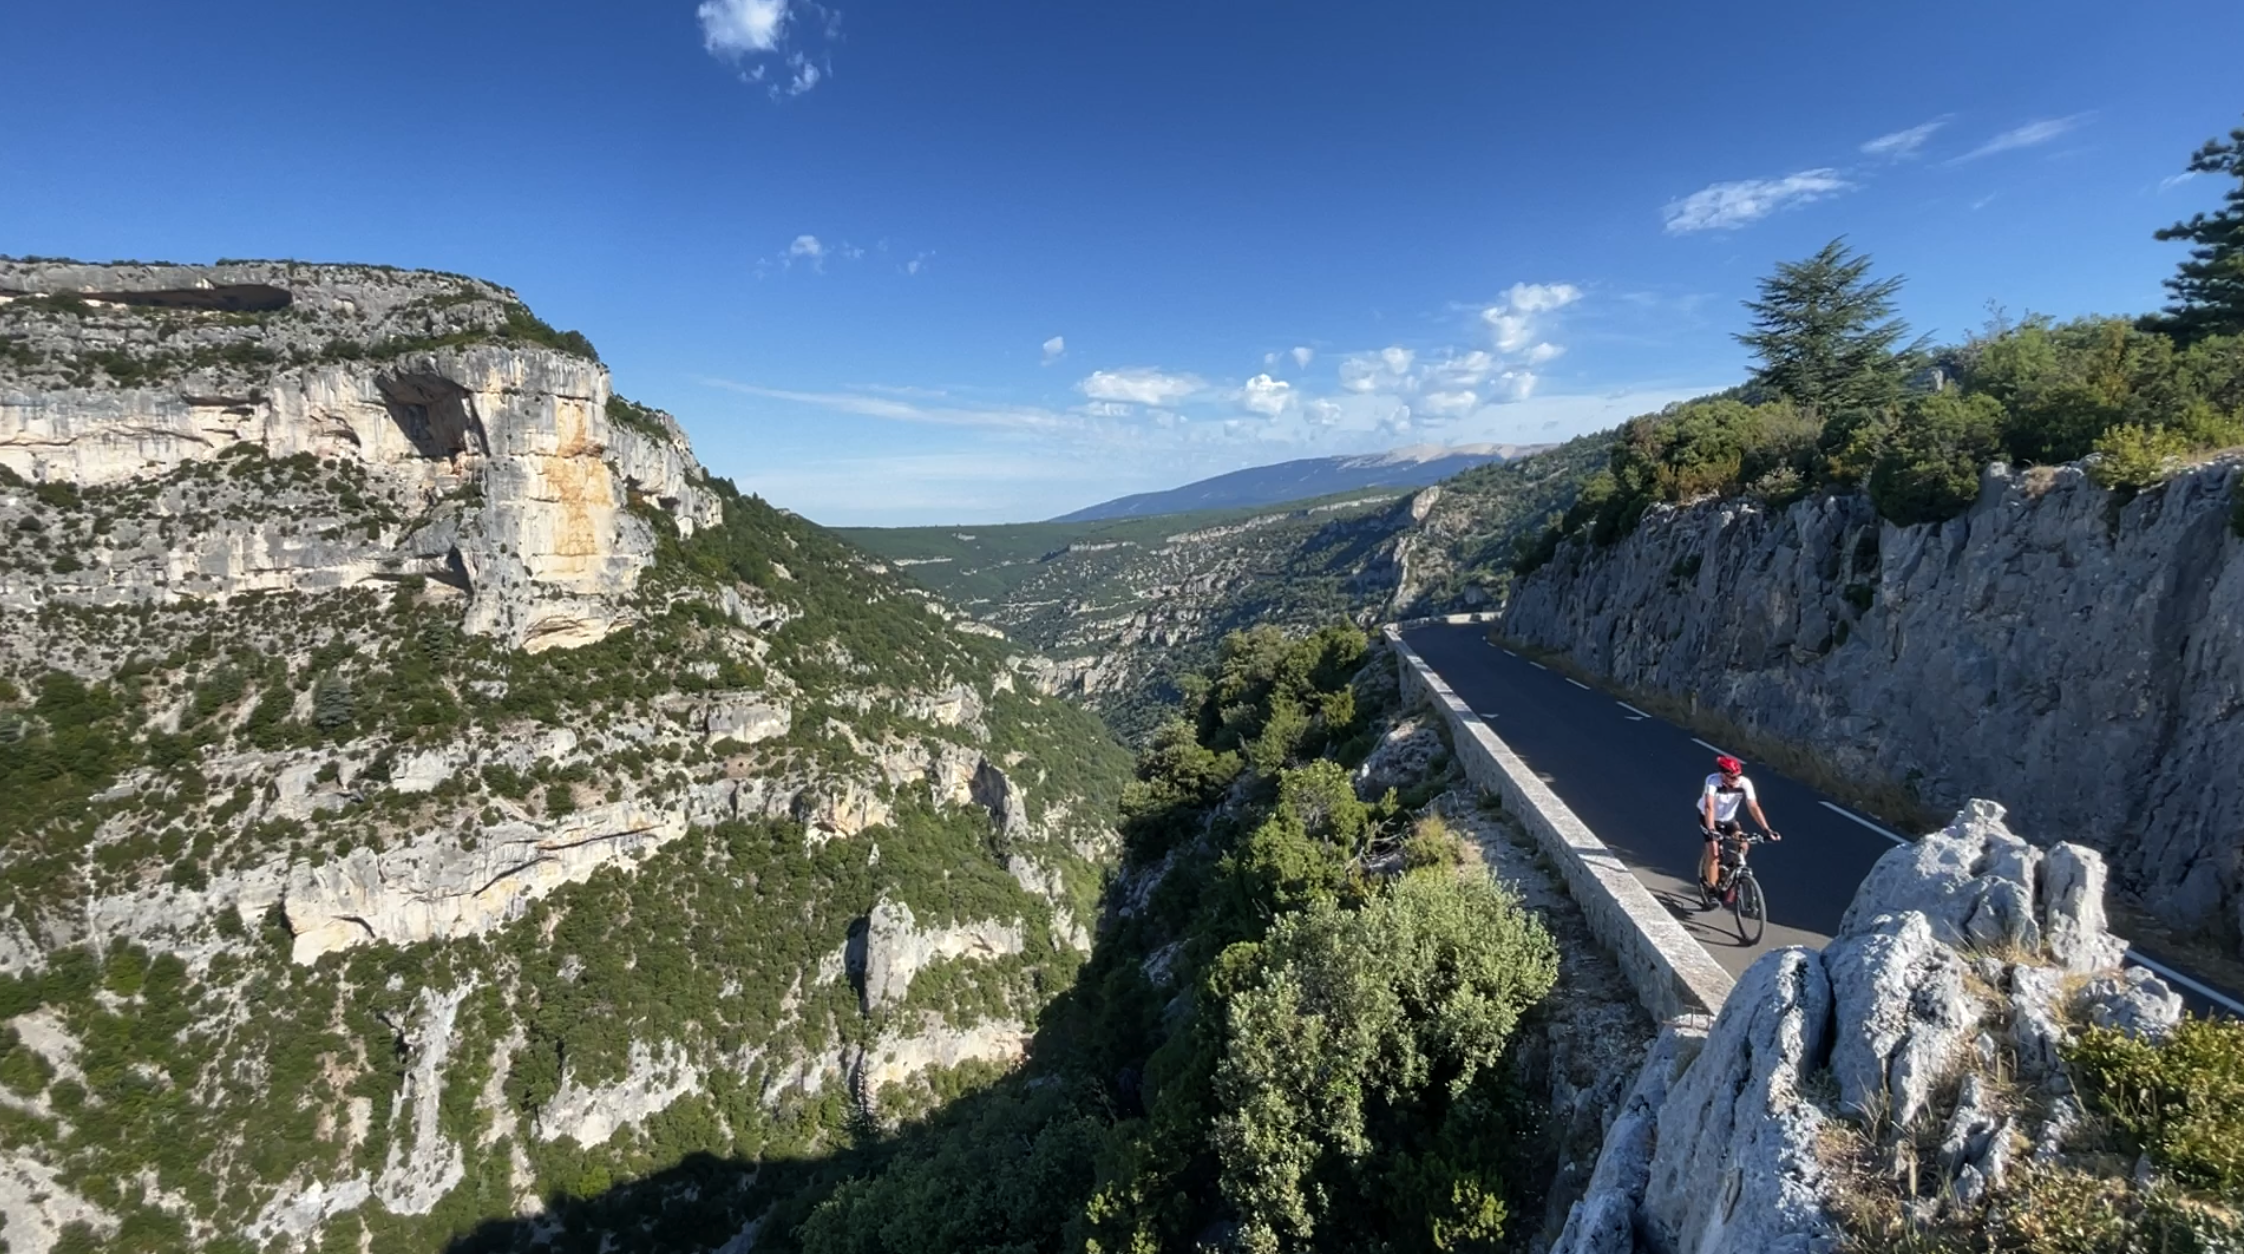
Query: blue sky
pixel 978 261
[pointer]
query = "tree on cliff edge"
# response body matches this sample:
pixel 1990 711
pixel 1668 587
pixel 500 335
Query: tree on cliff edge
pixel 1826 334
pixel 2208 289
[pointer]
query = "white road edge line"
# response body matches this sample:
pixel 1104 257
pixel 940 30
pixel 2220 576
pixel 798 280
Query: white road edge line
pixel 2160 968
pixel 1845 813
pixel 1579 684
pixel 1632 709
pixel 2156 968
pixel 1509 653
pixel 1717 748
pixel 1539 666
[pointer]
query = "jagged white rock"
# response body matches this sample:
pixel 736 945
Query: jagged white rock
pixel 1888 1008
pixel 2133 1001
pixel 897 948
pixel 1735 1166
pixel 590 1114
pixel 894 1059
pixel 37 1205
pixel 433 887
pixel 1603 1221
pixel 416 1177
pixel 1903 1014
pixel 1973 881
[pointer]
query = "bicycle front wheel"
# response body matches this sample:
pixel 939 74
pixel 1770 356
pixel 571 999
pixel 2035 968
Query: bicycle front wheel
pixel 1751 911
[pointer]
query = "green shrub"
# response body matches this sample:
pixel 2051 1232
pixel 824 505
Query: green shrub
pixel 2180 1100
pixel 2130 458
pixel 1432 844
pixel 1360 1092
pixel 1927 470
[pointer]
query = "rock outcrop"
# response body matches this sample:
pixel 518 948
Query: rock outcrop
pixel 898 948
pixel 2077 655
pixel 497 465
pixel 437 888
pixel 1728 1147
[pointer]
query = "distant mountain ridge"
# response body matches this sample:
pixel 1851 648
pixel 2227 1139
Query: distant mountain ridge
pixel 1411 467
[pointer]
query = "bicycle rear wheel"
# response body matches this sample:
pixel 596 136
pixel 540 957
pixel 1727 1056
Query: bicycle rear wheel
pixel 1751 911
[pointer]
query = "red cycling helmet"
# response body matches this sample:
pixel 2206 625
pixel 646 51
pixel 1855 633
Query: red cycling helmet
pixel 1728 765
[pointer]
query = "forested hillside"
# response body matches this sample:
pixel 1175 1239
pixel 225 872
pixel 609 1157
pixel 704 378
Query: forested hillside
pixel 430 798
pixel 1124 608
pixel 1283 912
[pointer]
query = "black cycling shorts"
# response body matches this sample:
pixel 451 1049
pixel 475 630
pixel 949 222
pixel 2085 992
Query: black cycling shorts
pixel 1727 827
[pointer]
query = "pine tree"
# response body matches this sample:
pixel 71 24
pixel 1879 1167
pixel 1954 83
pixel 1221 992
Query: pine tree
pixel 1825 333
pixel 2208 289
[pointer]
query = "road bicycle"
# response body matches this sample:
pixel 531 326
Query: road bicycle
pixel 1736 884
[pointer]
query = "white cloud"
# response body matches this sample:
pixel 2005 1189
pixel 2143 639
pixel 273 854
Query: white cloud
pixel 2172 181
pixel 1002 417
pixel 1323 413
pixel 807 248
pixel 1515 321
pixel 1139 386
pixel 2030 135
pixel 1302 355
pixel 1900 145
pixel 1266 396
pixel 1459 369
pixel 1054 349
pixel 1541 353
pixel 1728 206
pixel 806 76
pixel 742 27
pixel 756 34
pixel 1382 371
pixel 1448 404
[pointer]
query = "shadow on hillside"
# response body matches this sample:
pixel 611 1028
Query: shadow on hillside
pixel 707 1202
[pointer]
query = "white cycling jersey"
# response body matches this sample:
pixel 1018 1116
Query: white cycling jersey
pixel 1727 797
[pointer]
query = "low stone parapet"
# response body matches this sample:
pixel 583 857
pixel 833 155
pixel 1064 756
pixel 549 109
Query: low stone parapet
pixel 1672 973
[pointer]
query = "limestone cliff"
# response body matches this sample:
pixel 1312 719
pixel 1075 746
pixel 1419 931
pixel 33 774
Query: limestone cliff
pixel 2078 656
pixel 429 795
pixel 488 462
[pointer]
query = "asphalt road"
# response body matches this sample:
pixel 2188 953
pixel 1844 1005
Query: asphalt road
pixel 1635 779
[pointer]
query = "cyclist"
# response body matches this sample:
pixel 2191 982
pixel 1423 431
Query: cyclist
pixel 1724 793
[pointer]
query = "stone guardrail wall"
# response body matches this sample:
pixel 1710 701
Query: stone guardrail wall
pixel 1672 973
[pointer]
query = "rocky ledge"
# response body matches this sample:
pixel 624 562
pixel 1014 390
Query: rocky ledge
pixel 1930 1026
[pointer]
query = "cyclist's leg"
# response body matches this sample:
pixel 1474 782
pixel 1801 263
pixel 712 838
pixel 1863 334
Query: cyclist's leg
pixel 1720 849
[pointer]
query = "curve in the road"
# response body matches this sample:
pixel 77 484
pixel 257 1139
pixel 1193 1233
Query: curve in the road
pixel 1634 779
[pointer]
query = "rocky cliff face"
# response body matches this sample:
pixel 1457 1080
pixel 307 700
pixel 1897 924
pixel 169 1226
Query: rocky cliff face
pixel 428 795
pixel 493 465
pixel 1916 1055
pixel 2079 657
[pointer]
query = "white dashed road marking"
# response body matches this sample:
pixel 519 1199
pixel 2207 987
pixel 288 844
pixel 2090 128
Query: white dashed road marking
pixel 1702 744
pixel 1842 812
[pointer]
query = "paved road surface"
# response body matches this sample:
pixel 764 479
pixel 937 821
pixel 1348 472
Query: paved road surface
pixel 1634 779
